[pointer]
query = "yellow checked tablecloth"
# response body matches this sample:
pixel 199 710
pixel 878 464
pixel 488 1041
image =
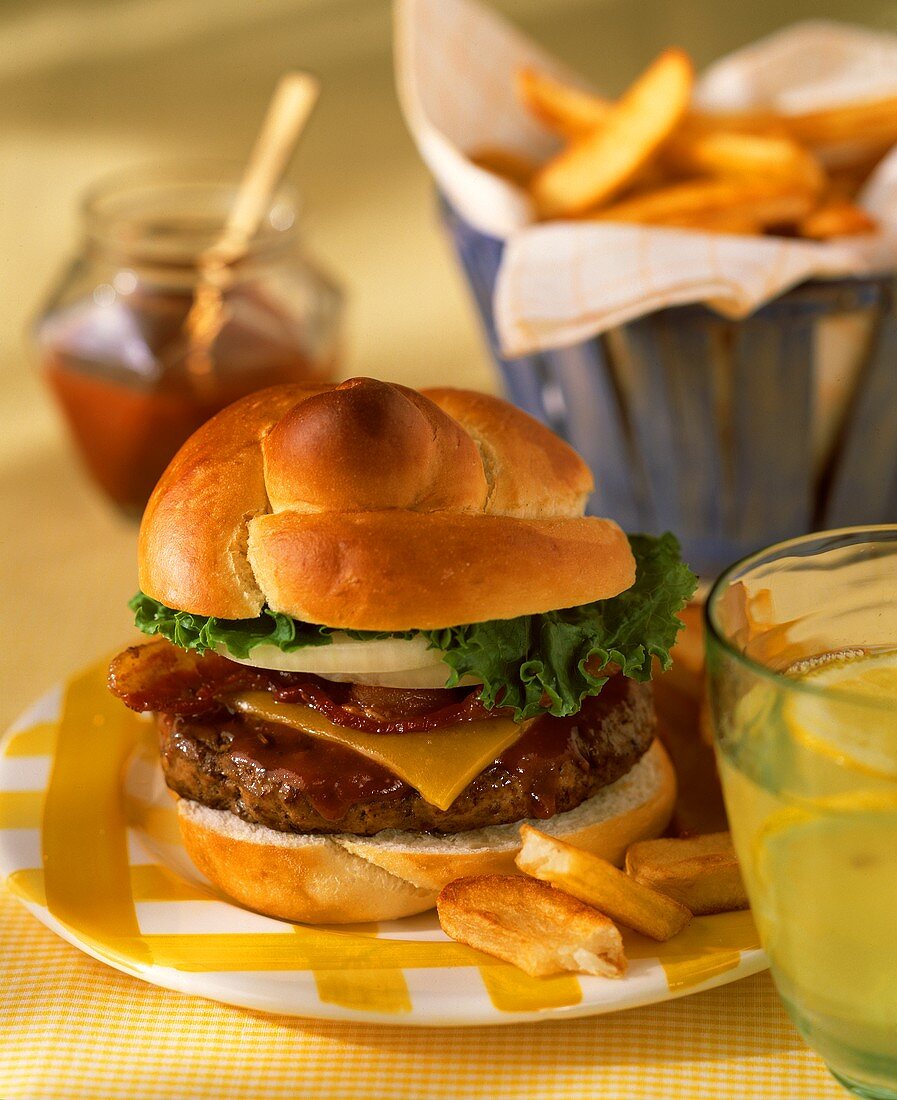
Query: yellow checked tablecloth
pixel 71 1027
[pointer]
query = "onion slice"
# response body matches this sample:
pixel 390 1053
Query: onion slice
pixel 380 662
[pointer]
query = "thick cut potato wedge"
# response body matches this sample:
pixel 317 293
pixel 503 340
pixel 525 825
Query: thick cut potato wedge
pixel 872 123
pixel 745 156
pixel 538 929
pixel 598 883
pixel 700 872
pixel 699 203
pixel 691 151
pixel 559 106
pixel 650 159
pixel 836 218
pixel 510 166
pixel 852 131
pixel 598 165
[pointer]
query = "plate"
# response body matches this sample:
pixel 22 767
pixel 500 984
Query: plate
pixel 89 843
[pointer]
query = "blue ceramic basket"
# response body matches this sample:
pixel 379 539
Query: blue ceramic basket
pixel 703 426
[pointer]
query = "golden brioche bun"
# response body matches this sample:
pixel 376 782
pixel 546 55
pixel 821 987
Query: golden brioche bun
pixel 342 879
pixel 370 506
pixel 402 570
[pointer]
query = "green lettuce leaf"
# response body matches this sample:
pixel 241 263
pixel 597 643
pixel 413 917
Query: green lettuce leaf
pixel 551 662
pixel 239 636
pixel 536 664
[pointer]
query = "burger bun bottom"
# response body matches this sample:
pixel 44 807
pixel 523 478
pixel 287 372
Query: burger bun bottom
pixel 345 879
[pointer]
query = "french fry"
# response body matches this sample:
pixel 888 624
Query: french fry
pixel 649 159
pixel 840 135
pixel 846 180
pixel 700 872
pixel 598 165
pixel 560 106
pixel 736 222
pixel 598 883
pixel 836 218
pixel 745 156
pixel 762 123
pixel 574 113
pixel 538 929
pixel 698 202
pixel 869 123
pixel 510 166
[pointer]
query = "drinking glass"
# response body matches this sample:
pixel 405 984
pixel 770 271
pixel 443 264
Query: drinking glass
pixel 802 671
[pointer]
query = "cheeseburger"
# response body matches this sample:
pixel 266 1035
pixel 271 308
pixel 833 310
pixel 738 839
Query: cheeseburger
pixel 385 635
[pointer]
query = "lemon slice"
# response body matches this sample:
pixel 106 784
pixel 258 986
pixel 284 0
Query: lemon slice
pixel 824 875
pixel 861 813
pixel 859 732
pixel 834 808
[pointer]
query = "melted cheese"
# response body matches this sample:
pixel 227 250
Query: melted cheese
pixel 437 763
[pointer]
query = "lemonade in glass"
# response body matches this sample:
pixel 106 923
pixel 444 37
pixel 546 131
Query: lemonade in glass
pixel 802 669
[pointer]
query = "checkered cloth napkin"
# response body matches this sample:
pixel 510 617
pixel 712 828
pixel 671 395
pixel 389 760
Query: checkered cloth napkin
pixel 564 282
pixel 73 1029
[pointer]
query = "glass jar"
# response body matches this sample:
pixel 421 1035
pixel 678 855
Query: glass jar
pixel 115 343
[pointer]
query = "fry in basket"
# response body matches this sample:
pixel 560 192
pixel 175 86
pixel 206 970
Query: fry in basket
pixel 559 106
pixel 745 156
pixel 847 133
pixel 700 872
pixel 865 126
pixel 700 203
pixel 735 221
pixel 836 218
pixel 695 148
pixel 651 160
pixel 763 123
pixel 502 162
pixel 598 883
pixel 538 929
pixel 846 180
pixel 598 165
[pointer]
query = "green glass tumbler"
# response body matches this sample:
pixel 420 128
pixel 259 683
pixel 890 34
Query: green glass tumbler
pixel 802 674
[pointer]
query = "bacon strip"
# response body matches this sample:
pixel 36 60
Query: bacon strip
pixel 314 696
pixel 161 677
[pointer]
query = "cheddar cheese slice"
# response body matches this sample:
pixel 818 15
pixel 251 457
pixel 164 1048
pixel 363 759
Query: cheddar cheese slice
pixel 437 763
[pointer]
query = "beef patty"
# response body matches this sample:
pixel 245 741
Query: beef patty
pixel 276 776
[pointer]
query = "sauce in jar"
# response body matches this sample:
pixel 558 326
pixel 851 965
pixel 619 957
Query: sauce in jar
pixel 114 341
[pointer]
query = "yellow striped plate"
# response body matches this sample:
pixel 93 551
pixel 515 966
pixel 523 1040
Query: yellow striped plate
pixel 89 843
